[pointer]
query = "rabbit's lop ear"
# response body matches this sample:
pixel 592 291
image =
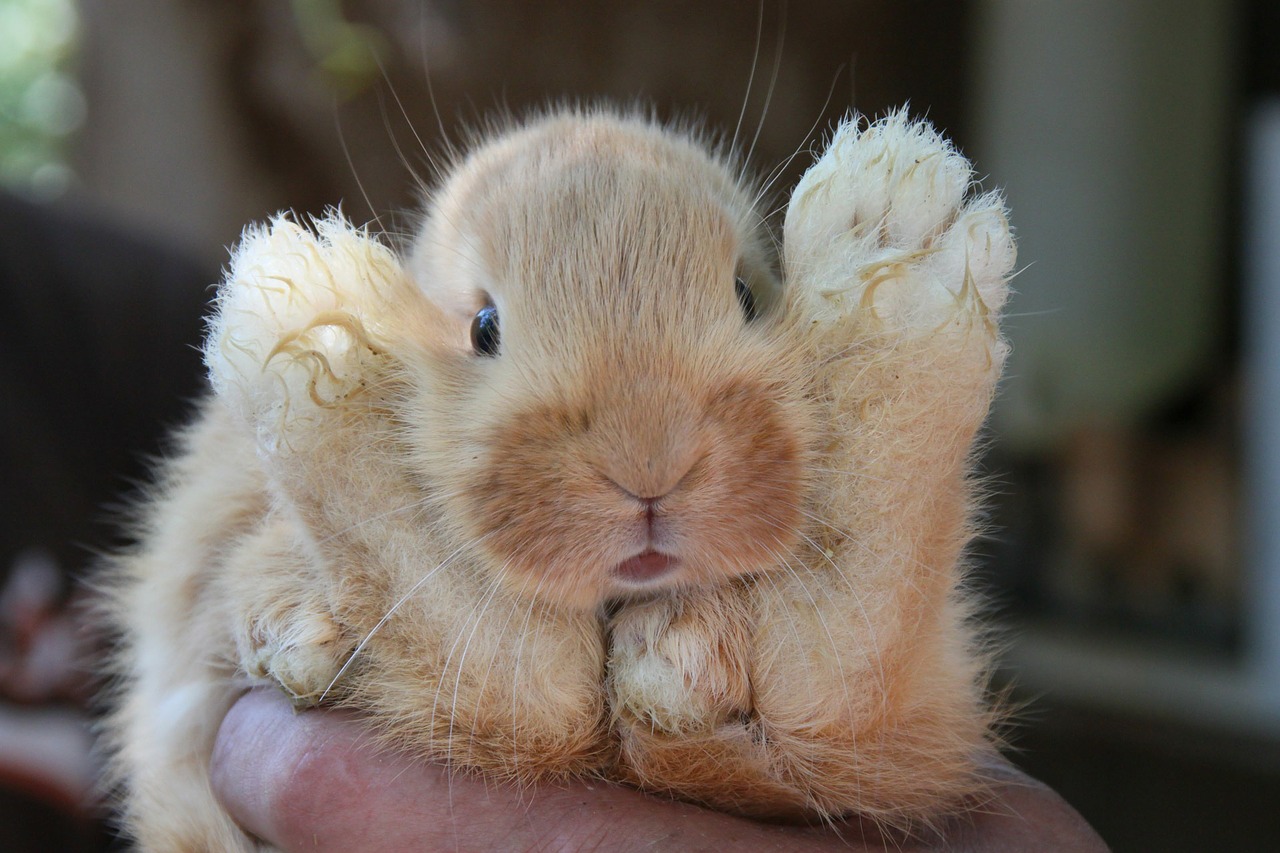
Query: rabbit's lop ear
pixel 306 319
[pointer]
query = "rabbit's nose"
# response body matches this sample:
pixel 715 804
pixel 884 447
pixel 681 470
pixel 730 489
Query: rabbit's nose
pixel 650 497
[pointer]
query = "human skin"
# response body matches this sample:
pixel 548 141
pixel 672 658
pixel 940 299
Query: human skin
pixel 314 781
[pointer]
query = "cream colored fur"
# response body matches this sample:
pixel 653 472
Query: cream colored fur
pixel 370 514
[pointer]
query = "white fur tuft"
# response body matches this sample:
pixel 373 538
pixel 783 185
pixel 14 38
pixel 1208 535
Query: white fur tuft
pixel 879 223
pixel 299 315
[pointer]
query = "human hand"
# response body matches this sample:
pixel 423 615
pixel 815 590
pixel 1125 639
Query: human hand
pixel 314 781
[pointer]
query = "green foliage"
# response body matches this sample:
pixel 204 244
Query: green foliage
pixel 40 102
pixel 346 54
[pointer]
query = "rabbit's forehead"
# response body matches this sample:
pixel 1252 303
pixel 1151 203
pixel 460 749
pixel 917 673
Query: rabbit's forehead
pixel 580 227
pixel 614 194
pixel 613 229
pixel 586 261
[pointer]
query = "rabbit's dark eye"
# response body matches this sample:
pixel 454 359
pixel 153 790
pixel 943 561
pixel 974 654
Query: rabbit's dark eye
pixel 746 299
pixel 484 331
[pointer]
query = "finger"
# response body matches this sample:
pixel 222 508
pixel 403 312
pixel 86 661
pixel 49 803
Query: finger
pixel 314 781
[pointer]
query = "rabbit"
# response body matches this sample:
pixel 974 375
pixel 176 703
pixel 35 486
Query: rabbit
pixel 578 484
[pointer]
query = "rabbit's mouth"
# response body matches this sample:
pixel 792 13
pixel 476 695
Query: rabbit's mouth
pixel 645 568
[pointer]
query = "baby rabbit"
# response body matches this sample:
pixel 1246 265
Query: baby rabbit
pixel 578 487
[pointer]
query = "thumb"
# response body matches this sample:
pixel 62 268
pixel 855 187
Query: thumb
pixel 314 779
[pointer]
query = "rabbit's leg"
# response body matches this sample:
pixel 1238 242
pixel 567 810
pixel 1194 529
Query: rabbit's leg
pixel 866 679
pixel 453 666
pixel 283 624
pixel 298 339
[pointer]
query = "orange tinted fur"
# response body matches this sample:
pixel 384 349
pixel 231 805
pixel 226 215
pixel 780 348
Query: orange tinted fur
pixel 371 514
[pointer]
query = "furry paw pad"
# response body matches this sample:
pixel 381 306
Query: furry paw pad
pixel 299 320
pixel 880 228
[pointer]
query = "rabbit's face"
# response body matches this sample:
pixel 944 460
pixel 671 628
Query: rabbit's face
pixel 619 412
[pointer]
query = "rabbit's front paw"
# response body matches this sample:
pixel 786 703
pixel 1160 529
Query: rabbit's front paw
pixel 303 657
pixel 679 665
pixel 680 690
pixel 879 228
pixel 284 630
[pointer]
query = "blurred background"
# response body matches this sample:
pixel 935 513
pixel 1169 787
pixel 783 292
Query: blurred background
pixel 1134 564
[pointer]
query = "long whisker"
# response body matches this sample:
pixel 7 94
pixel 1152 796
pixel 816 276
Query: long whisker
pixel 476 614
pixel 773 80
pixel 772 579
pixel 531 602
pixel 426 71
pixel 779 170
pixel 417 505
pixel 866 617
pixel 516 599
pixel 351 164
pixel 494 586
pixel 861 475
pixel 906 559
pixel 405 114
pixel 479 605
pixel 387 616
pixel 395 140
pixel 841 672
pixel 751 77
